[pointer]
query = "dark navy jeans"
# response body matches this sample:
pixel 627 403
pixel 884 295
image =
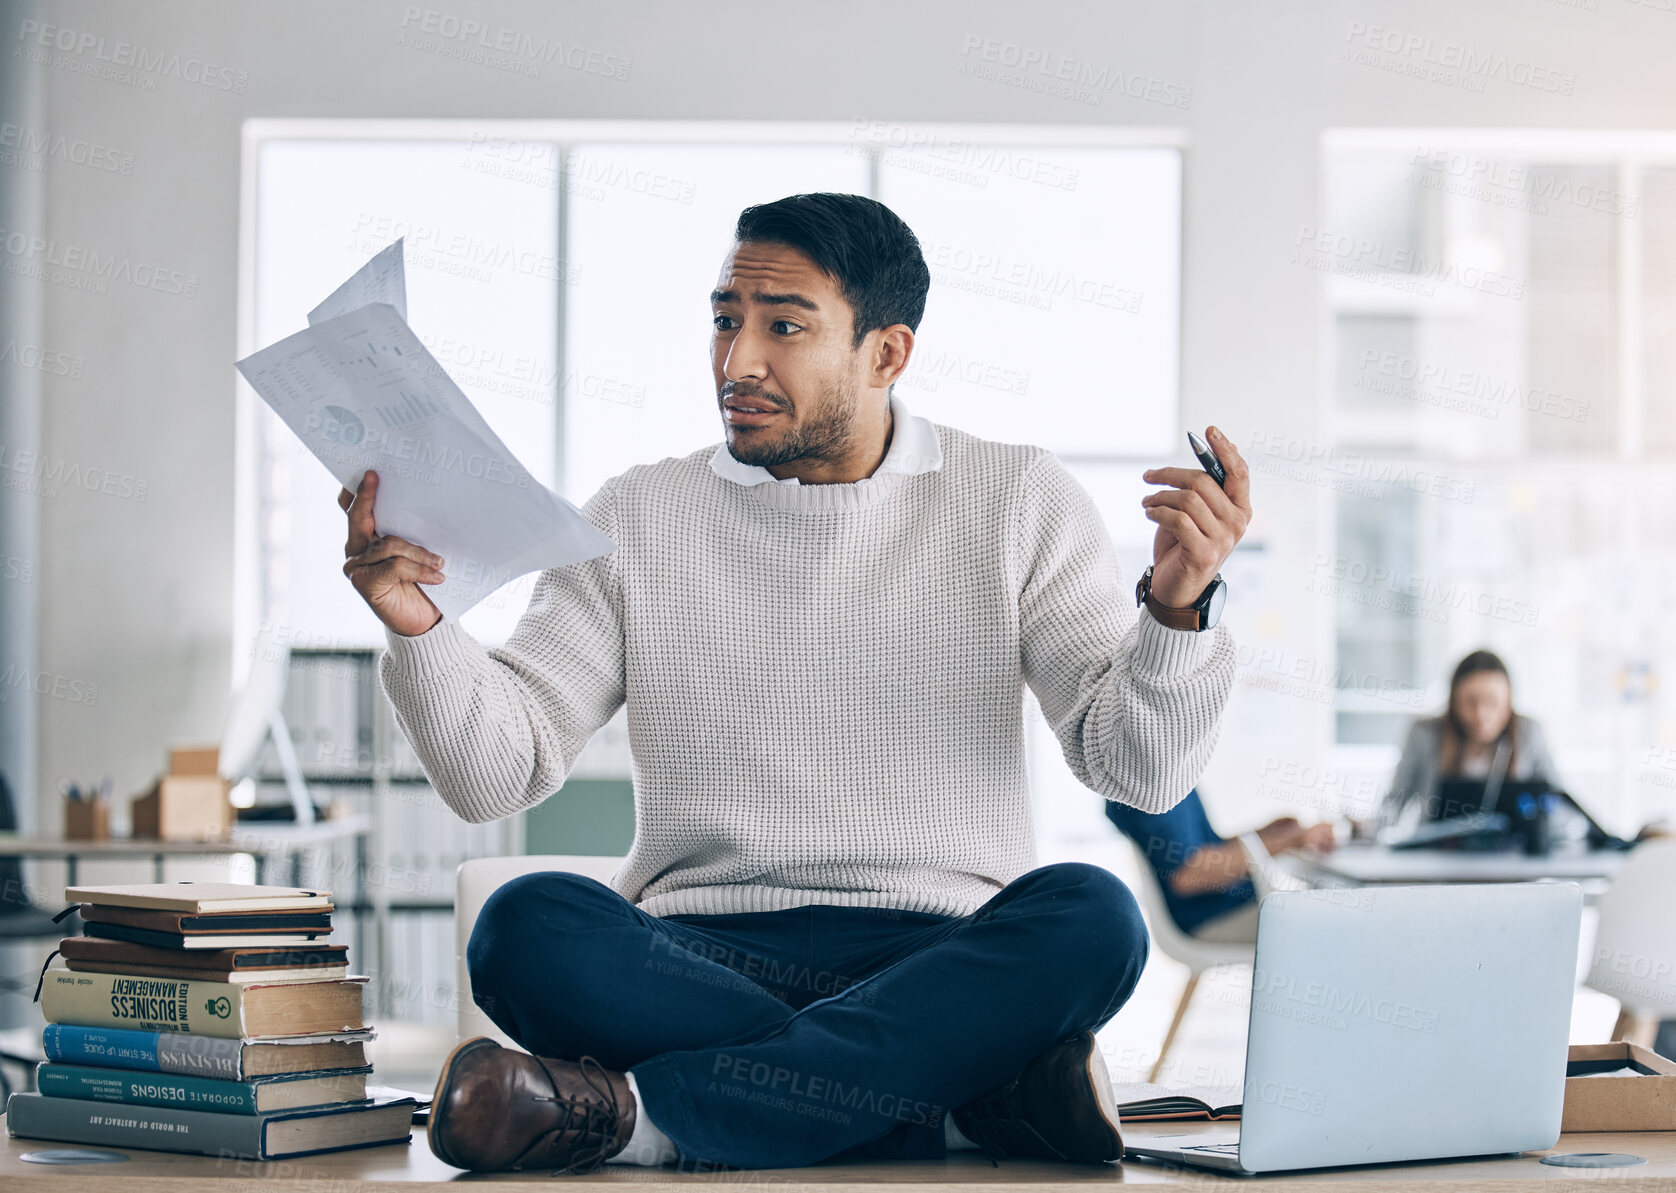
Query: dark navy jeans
pixel 783 1038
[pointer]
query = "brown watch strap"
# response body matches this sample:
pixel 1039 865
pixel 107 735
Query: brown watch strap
pixel 1175 619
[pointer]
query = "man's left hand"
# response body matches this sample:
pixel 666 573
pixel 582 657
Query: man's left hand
pixel 1198 520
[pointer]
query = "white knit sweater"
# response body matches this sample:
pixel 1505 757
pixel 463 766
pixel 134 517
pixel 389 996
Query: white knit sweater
pixel 824 682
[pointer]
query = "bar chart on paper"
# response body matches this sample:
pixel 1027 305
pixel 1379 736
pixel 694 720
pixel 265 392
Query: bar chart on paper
pixel 411 409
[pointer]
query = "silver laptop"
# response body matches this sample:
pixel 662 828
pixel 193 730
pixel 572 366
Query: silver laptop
pixel 1400 1023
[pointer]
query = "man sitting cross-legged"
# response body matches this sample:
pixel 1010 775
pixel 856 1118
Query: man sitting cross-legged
pixel 830 936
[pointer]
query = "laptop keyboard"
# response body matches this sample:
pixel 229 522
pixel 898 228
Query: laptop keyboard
pixel 1221 1149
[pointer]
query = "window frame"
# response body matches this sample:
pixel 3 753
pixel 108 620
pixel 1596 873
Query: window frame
pixel 1627 153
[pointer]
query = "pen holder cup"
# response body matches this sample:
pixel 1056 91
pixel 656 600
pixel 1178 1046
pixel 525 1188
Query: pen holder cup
pixel 87 820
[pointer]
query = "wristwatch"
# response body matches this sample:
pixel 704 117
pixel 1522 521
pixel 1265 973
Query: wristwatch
pixel 1202 614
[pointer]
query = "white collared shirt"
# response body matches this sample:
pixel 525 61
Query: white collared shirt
pixel 913 448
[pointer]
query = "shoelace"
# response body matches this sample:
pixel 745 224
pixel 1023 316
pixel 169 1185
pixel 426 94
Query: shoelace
pixel 974 1130
pixel 593 1123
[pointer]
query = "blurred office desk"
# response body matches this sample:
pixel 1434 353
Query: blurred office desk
pixel 1368 865
pixel 412 1166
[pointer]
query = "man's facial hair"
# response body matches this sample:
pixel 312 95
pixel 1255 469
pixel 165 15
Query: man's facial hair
pixel 827 436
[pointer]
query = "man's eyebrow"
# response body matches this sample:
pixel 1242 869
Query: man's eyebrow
pixel 767 300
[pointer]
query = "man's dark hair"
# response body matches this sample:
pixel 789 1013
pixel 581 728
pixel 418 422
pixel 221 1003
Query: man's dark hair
pixel 858 242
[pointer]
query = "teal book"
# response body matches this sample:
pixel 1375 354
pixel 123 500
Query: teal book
pixel 210 1133
pixel 286 1091
pixel 204 1056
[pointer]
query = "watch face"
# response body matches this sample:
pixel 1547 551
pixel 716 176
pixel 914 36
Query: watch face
pixel 1218 596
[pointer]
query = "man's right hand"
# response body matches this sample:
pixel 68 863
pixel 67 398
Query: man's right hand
pixel 387 571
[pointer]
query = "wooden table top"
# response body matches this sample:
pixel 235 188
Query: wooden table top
pixel 408 1166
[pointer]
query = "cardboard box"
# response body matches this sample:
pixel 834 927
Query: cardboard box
pixel 189 803
pixel 87 820
pixel 1644 1102
pixel 194 760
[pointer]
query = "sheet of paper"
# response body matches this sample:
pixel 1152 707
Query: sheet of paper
pixel 363 393
pixel 382 279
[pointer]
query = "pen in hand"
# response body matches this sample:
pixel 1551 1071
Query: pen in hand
pixel 1208 460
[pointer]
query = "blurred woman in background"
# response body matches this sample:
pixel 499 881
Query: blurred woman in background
pixel 1479 736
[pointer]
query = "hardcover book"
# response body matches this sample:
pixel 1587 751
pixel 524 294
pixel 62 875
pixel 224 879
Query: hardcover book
pixel 182 924
pixel 1143 1101
pixel 270 1136
pixel 287 1091
pixel 243 977
pixel 88 948
pixel 278 964
pixel 202 941
pixel 203 1056
pixel 202 897
pixel 227 1009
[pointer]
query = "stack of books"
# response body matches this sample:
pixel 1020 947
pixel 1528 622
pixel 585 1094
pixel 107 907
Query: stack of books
pixel 211 1018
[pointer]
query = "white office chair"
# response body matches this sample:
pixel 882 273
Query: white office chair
pixel 474 882
pixel 1197 955
pixel 1266 874
pixel 1635 942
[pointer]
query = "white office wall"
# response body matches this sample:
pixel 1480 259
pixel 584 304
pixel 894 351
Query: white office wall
pixel 135 596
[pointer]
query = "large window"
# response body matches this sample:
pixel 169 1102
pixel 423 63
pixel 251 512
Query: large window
pixel 637 331
pixel 483 289
pixel 561 273
pixel 1500 437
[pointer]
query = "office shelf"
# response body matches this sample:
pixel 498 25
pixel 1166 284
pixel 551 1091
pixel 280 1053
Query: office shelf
pixel 350 748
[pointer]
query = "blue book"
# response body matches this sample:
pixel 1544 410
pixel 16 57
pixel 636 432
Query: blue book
pixel 225 1059
pixel 285 1091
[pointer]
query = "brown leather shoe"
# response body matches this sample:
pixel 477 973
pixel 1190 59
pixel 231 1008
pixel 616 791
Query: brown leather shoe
pixel 1059 1107
pixel 497 1109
